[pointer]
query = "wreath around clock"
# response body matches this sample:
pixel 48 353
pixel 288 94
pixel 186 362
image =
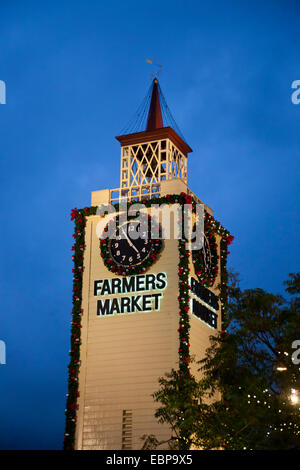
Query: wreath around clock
pixel 208 276
pixel 155 248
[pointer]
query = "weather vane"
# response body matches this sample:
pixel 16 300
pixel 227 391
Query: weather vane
pixel 157 68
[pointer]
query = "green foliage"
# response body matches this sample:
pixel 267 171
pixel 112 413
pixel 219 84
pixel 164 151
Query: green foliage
pixel 243 399
pixel 242 362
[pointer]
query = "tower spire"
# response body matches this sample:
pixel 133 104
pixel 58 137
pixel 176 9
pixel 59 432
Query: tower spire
pixel 154 120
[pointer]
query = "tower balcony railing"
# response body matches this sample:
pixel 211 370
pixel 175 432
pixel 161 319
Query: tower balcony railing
pixel 141 192
pixel 135 193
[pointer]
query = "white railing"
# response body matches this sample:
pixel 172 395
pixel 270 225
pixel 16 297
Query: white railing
pixel 135 193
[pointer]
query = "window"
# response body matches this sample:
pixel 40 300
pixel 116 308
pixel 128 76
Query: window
pixel 127 429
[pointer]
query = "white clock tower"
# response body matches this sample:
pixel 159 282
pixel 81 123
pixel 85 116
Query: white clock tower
pixel 140 308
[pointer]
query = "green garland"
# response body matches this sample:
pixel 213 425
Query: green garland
pixel 71 406
pixel 183 300
pixel 224 279
pixel 211 225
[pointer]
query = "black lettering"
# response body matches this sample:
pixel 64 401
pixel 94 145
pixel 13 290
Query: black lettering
pixel 214 320
pixel 214 301
pixel 150 282
pixel 116 286
pixel 97 287
pixel 103 307
pixel 204 314
pixel 147 303
pixel 115 307
pixel 135 307
pixel 204 294
pixel 125 303
pixel 193 284
pixel 157 301
pixel 140 282
pixel 128 284
pixel 106 287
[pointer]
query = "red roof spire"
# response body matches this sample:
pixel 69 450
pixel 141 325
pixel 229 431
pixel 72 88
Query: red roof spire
pixel 155 120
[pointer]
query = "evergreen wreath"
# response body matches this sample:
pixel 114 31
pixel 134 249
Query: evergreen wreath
pixel 155 249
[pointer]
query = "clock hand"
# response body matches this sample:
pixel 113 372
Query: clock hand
pixel 129 241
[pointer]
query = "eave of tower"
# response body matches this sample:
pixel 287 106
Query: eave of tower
pixel 153 135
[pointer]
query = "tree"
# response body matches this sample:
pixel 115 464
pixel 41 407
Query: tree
pixel 249 362
pixel 178 409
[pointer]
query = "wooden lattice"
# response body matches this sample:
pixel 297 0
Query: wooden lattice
pixel 150 163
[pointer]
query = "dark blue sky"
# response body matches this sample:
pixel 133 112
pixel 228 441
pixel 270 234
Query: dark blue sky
pixel 75 73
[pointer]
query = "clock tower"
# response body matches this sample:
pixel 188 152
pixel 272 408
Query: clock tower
pixel 141 305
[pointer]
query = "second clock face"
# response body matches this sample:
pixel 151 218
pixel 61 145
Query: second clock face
pixel 127 251
pixel 205 255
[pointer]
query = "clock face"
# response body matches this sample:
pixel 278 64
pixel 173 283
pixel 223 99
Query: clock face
pixel 127 251
pixel 206 261
pixel 130 249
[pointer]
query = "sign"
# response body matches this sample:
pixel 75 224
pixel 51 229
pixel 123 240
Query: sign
pixel 203 303
pixel 203 313
pixel 204 294
pixel 137 284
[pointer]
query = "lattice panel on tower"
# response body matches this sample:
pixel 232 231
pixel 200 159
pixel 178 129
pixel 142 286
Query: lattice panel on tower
pixel 178 162
pixel 150 163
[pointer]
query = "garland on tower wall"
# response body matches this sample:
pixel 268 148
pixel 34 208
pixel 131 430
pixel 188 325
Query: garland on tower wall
pixel 183 300
pixel 223 296
pixel 212 227
pixel 79 216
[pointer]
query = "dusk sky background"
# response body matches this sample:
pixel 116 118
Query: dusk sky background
pixel 75 73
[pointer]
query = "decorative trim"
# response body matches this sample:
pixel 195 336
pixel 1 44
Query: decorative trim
pixel 154 135
pixel 183 300
pixel 72 396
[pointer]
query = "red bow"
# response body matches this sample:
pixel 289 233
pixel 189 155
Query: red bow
pixel 74 213
pixel 230 239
